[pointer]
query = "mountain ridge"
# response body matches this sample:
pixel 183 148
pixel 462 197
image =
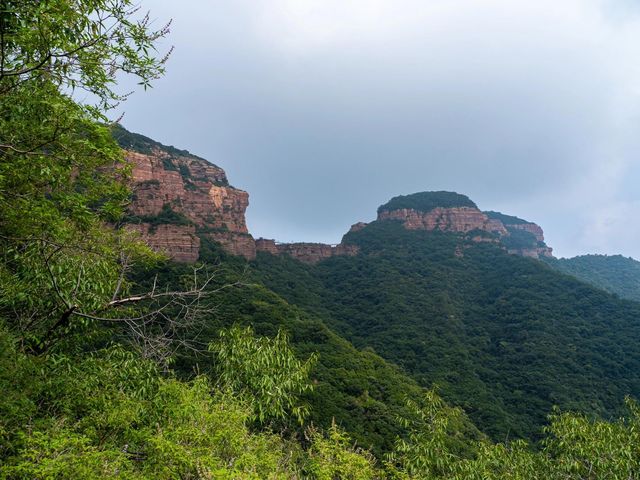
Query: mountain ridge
pixel 435 292
pixel 180 198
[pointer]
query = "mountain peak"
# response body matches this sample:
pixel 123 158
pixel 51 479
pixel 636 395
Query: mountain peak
pixel 427 201
pixel 455 213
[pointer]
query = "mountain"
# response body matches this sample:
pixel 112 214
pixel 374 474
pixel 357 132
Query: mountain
pixel 184 206
pixel 179 199
pixel 613 273
pixel 433 292
pixel 504 336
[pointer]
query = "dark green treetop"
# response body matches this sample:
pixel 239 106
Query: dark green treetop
pixel 427 201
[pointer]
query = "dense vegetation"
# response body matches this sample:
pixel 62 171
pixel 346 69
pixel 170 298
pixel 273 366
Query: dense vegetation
pixel 504 337
pixel 520 239
pixel 427 201
pixel 613 273
pixel 139 143
pixel 115 364
pixel 166 216
pixel 505 219
pixel 358 390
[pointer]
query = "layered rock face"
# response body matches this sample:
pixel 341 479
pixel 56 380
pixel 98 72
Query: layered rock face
pixel 535 252
pixel 461 215
pixel 179 242
pixel 524 238
pixel 179 198
pixel 305 252
pixel 454 219
pixel 540 249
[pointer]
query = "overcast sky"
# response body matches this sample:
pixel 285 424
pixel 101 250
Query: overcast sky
pixel 324 109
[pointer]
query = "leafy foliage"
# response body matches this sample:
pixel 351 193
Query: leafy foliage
pixel 332 456
pixel 427 201
pixel 613 273
pixel 575 447
pixel 362 392
pixel 166 216
pixel 110 415
pixel 80 44
pixel 431 447
pixel 60 170
pixel 264 370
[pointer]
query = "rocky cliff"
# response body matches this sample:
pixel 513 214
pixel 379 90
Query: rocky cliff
pixel 454 219
pixel 305 252
pixel 452 212
pixel 179 198
pixel 523 237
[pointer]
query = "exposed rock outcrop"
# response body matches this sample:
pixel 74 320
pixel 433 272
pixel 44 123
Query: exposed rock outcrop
pixel 530 227
pixel 523 238
pixel 183 196
pixel 455 219
pixel 180 242
pixel 532 252
pixel 180 199
pixel 305 252
pixel 356 227
pixel 452 212
pixel 267 245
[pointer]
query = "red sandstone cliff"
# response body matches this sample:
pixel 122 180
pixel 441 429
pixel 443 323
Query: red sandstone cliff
pixel 532 228
pixel 540 250
pixel 196 193
pixel 304 251
pixel 179 198
pixel 465 219
pixel 456 219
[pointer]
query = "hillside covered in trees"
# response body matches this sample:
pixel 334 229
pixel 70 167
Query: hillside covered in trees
pixel 425 356
pixel 504 337
pixel 613 273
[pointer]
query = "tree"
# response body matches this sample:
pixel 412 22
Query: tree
pixel 263 370
pixel 78 44
pixel 334 456
pixel 62 176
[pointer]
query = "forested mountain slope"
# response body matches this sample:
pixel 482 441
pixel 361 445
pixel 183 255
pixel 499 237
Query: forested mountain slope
pixel 357 389
pixel 613 273
pixel 504 337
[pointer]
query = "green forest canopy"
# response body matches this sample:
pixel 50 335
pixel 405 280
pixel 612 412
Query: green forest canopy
pixel 427 201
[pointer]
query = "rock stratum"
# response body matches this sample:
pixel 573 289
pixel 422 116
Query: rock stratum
pixel 180 199
pixel 455 213
pixel 305 252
